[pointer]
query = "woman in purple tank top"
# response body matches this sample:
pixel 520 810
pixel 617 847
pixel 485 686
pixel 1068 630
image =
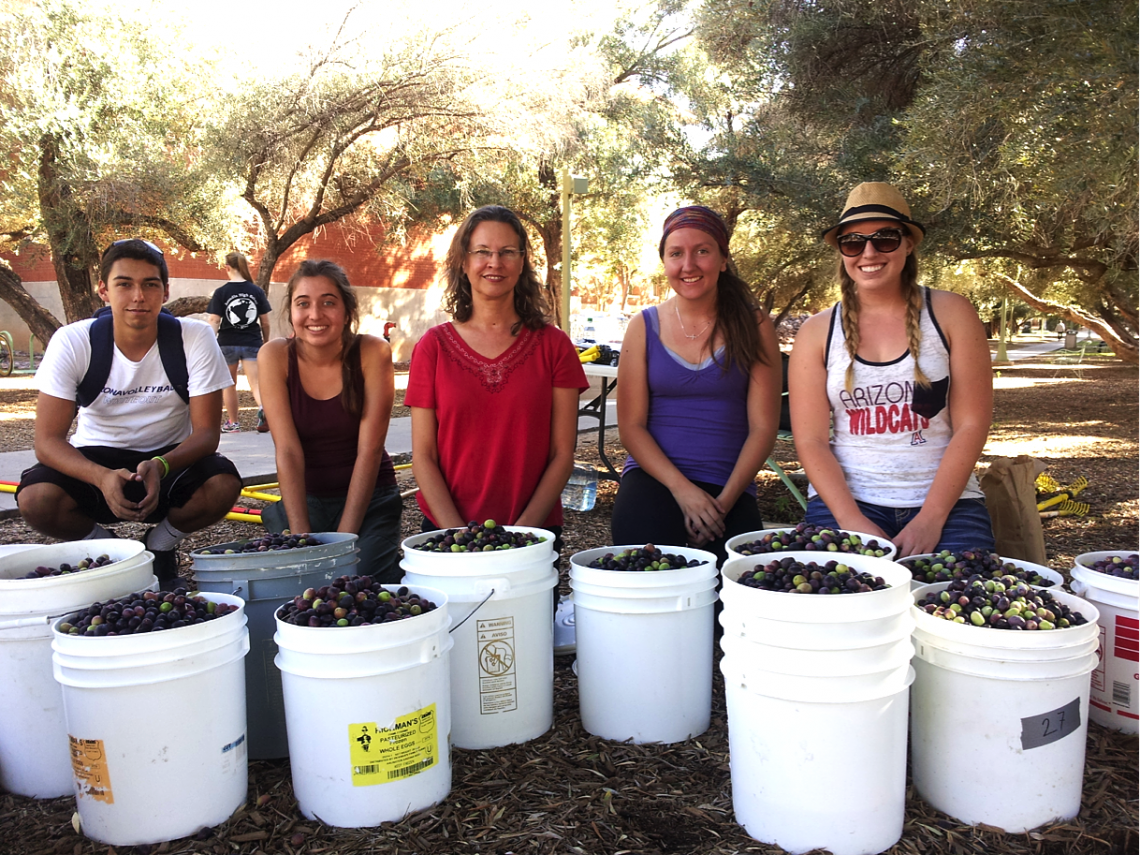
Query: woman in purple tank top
pixel 328 396
pixel 698 397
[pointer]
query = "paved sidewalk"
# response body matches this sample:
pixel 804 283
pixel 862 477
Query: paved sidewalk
pixel 253 453
pixel 1016 353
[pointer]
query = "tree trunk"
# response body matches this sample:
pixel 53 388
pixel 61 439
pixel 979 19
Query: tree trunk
pixel 40 321
pixel 1123 343
pixel 184 306
pixel 74 253
pixel 784 312
pixel 268 263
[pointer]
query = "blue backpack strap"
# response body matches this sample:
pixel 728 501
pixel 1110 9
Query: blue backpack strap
pixel 173 354
pixel 170 349
pixel 102 334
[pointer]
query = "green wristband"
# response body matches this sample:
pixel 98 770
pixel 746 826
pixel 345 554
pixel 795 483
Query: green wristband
pixel 165 465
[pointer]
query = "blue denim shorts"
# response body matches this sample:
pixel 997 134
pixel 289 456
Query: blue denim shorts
pixel 967 527
pixel 235 353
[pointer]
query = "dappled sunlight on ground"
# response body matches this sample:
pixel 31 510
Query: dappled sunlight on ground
pixel 1057 446
pixel 1028 382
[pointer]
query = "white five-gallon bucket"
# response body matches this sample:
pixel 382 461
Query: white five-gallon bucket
pixel 1114 700
pixel 816 691
pixel 263 580
pixel 157 727
pixel 644 643
pixel 733 544
pixel 502 665
pixel 1045 572
pixel 999 718
pixel 368 711
pixel 34 756
pixel 817 762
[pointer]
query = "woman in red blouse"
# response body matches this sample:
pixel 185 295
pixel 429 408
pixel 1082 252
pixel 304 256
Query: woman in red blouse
pixel 493 393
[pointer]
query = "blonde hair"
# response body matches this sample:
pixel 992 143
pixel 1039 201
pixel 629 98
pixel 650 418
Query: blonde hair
pixel 850 318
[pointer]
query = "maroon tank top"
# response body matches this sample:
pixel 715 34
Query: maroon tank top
pixel 329 434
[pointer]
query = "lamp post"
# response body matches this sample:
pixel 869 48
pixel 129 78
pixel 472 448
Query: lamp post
pixel 570 184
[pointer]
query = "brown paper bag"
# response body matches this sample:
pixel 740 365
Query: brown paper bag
pixel 1011 499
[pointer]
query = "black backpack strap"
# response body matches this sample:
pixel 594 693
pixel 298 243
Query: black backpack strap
pixel 102 334
pixel 170 349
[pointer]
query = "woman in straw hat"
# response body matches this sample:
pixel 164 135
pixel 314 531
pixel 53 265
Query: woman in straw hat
pixel 902 375
pixel 698 397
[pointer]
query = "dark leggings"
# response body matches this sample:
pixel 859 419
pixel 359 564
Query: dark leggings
pixel 646 512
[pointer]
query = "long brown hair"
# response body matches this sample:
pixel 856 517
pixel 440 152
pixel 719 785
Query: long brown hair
pixel 736 311
pixel 530 304
pixel 850 317
pixel 351 396
pixel 240 263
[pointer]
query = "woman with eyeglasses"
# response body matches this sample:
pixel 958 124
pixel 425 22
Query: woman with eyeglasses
pixel 494 392
pixel 698 397
pixel 902 376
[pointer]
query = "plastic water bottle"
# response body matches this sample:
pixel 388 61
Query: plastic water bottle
pixel 582 489
pixel 589 331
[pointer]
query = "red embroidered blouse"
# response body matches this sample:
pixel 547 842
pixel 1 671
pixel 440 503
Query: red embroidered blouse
pixel 494 416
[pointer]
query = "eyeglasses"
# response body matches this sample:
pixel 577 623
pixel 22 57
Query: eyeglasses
pixel 884 240
pixel 137 240
pixel 505 255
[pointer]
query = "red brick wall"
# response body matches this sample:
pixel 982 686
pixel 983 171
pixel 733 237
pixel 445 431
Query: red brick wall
pixel 417 264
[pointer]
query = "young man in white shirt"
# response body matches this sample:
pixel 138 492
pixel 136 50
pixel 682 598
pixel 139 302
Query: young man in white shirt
pixel 144 450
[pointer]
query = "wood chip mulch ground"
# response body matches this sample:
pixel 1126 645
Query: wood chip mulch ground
pixel 570 792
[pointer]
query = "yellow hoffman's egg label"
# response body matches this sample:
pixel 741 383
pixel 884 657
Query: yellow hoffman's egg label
pixel 89 766
pixel 408 746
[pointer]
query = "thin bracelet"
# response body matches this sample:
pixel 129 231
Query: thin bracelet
pixel 165 465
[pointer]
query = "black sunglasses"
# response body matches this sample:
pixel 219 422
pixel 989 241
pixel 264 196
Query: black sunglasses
pixel 884 240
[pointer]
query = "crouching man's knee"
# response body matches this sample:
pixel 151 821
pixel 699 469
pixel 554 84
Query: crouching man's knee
pixel 209 503
pixel 43 505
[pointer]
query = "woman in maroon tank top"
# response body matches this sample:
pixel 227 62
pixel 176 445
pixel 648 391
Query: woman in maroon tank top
pixel 328 395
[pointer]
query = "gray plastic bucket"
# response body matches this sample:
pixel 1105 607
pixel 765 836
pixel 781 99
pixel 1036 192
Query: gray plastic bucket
pixel 265 580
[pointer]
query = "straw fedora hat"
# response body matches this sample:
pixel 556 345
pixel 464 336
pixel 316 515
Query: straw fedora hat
pixel 874 200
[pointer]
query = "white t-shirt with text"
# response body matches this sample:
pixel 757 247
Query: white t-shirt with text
pixel 138 408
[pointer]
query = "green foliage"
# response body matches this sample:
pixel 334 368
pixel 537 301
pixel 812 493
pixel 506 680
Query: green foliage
pixel 104 125
pixel 1010 126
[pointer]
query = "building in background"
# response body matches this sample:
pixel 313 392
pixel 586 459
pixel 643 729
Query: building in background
pixel 398 284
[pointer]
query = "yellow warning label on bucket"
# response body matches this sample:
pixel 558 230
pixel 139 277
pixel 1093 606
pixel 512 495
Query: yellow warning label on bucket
pixel 498 690
pixel 408 746
pixel 89 766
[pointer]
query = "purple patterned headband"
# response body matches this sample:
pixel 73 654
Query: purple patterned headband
pixel 696 217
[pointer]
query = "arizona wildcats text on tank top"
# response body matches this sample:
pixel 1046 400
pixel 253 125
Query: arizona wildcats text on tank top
pixel 890 433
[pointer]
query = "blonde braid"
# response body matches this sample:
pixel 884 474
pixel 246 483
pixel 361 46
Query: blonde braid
pixel 850 320
pixel 914 331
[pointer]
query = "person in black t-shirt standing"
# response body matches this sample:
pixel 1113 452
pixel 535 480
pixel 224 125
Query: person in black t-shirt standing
pixel 239 313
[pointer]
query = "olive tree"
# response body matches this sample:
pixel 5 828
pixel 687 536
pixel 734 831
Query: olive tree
pixel 103 126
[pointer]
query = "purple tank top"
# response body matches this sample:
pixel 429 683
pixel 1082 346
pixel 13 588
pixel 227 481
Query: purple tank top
pixel 329 436
pixel 698 414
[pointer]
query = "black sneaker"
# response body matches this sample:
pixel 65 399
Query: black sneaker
pixel 166 569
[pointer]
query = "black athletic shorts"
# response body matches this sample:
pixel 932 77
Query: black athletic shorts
pixel 175 489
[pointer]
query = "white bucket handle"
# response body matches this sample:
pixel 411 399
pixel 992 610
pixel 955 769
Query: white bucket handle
pixel 481 604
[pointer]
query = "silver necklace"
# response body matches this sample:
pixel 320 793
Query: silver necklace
pixel 695 335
